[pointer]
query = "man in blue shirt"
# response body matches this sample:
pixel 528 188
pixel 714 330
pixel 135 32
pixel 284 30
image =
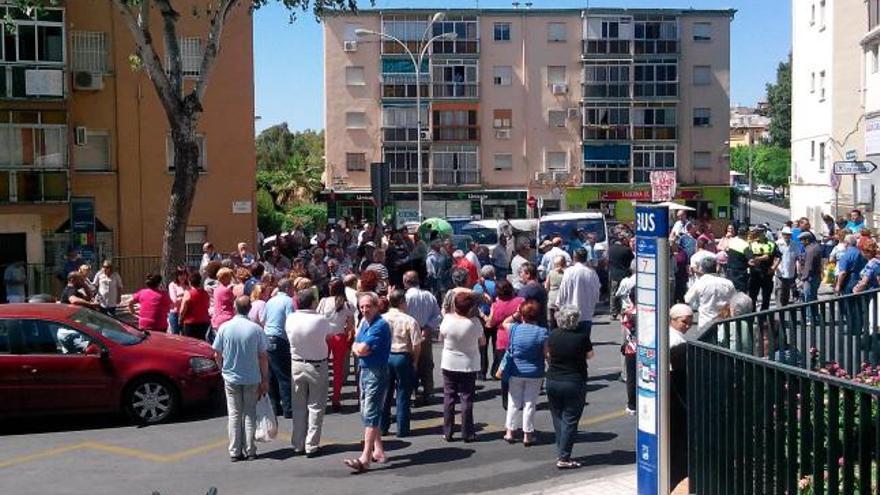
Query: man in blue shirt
pixel 277 310
pixel 372 346
pixel 856 222
pixel 240 351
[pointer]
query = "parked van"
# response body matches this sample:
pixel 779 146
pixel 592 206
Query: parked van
pixel 565 224
pixel 487 232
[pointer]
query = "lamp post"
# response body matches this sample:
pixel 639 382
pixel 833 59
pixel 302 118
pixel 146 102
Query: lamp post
pixel 417 64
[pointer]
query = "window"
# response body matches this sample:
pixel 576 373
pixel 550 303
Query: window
pixel 502 75
pixel 399 78
pixel 95 154
pixel 556 32
pixel 501 118
pixel 556 118
pixel 556 161
pixel 555 74
pixel 501 31
pixel 812 150
pixel 195 237
pixel 8 328
pixel 608 35
pixel 607 79
pixel 606 164
pixel 32 37
pixel 354 76
pixel 647 158
pixel 403 164
pixel 503 161
pixel 203 155
pixel 821 157
pixel 873 14
pixel 456 78
pixel 89 51
pixel 702 160
pixel 702 31
pixel 654 122
pixel 455 164
pixel 822 85
pixel 401 123
pixel 355 120
pixel 655 34
pixel 813 14
pixel 656 78
pixel 355 162
pixel 702 117
pixel 702 75
pixel 812 82
pixel 467 35
pixel 821 14
pixel 874 58
pixel 33 139
pixel 455 125
pixel 44 337
pixel 190 57
pixel 606 123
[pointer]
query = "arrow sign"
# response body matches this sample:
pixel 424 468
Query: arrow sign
pixel 854 168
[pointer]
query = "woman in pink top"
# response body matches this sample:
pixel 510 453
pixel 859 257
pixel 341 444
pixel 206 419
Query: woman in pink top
pixel 176 290
pixel 224 299
pixel 505 305
pixel 153 305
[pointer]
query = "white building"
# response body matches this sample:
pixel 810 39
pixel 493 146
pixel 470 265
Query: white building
pixel 870 43
pixel 828 114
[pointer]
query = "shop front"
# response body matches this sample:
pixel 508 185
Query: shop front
pixel 359 205
pixel 618 202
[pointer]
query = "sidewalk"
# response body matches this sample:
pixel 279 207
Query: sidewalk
pixel 616 484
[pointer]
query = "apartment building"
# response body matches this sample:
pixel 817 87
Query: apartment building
pixel 81 130
pixel 568 108
pixel 748 127
pixel 828 114
pixel 870 45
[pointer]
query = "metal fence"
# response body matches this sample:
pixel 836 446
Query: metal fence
pixel 787 401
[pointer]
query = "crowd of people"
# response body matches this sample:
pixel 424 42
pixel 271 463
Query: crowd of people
pixel 295 319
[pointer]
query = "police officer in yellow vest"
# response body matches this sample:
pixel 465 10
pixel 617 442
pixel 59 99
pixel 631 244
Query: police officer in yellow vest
pixel 738 257
pixel 762 265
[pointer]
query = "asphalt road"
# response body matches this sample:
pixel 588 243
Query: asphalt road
pixel 765 212
pixel 105 455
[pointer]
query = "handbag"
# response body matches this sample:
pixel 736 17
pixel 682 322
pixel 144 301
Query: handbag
pixel 504 366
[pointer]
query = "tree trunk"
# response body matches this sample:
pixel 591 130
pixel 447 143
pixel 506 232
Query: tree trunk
pixel 183 190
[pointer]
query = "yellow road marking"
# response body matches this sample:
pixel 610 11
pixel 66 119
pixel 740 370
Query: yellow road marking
pixel 184 454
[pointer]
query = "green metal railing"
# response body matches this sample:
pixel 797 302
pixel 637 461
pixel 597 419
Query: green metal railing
pixel 779 402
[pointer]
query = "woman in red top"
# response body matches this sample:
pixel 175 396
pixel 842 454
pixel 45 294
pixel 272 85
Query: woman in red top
pixel 505 305
pixel 224 300
pixel 194 316
pixel 153 305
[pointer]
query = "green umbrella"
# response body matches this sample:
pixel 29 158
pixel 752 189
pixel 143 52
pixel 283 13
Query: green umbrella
pixel 438 225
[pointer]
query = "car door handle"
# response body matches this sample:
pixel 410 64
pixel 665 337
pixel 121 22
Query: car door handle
pixel 29 368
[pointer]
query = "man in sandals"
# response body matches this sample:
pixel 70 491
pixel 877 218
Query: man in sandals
pixel 372 346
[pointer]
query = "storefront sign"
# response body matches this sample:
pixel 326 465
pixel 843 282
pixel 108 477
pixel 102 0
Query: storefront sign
pixel 663 184
pixel 82 227
pixel 643 195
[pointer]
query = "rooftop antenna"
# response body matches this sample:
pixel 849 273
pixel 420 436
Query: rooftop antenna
pixel 528 5
pixel 515 5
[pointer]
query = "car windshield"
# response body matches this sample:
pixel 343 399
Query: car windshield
pixel 481 235
pixel 565 228
pixel 108 327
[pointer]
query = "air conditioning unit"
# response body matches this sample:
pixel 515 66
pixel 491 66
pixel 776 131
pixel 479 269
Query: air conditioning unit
pixel 574 112
pixel 88 81
pixel 559 88
pixel 543 176
pixel 502 133
pixel 425 134
pixel 80 136
pixel 350 46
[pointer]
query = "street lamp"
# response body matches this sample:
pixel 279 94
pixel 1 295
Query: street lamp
pixel 417 63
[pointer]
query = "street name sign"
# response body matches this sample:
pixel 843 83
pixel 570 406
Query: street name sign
pixel 854 168
pixel 652 368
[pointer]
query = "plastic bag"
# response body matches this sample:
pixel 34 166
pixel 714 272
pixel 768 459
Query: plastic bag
pixel 267 423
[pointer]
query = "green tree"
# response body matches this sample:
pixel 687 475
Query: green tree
pixel 771 164
pixel 779 105
pixel 183 106
pixel 290 165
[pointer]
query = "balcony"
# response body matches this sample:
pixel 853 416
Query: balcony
pixel 400 134
pixel 465 177
pixel 654 133
pixel 456 47
pixel 21 185
pixel 30 81
pixel 656 47
pixel 606 132
pixel 621 48
pixel 456 133
pixel 456 90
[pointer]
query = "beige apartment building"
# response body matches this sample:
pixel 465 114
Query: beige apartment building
pixel 569 108
pixel 77 122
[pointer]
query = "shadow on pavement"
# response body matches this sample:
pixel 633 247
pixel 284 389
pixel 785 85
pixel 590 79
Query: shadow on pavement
pixel 430 456
pixel 613 458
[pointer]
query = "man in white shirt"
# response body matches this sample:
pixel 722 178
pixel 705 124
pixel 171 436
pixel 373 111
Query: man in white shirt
pixel 681 221
pixel 698 257
pixel 580 287
pixel 307 332
pixel 550 257
pixel 710 293
pixel 785 271
pixel 471 256
pixel 516 264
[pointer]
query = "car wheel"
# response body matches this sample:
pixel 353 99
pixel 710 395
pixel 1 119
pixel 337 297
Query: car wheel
pixel 151 400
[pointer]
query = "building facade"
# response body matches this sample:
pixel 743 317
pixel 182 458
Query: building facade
pixel 748 127
pixel 870 45
pixel 827 114
pixel 573 108
pixel 76 121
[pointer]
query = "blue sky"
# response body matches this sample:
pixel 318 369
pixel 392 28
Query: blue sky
pixel 289 57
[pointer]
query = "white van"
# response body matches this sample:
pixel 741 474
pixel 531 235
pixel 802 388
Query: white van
pixel 565 224
pixel 487 232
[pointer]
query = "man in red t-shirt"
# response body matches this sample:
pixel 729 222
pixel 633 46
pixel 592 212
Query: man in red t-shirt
pixel 460 261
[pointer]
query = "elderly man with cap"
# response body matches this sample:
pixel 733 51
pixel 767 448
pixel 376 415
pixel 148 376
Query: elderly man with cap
pixel 548 259
pixel 785 270
pixel 681 316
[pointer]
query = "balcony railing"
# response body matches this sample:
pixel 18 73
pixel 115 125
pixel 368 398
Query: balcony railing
pixel 606 132
pixel 654 133
pixel 19 185
pixel 456 90
pixel 465 177
pixel 32 81
pixel 607 47
pixel 400 134
pixel 656 47
pixel 456 47
pixel 456 133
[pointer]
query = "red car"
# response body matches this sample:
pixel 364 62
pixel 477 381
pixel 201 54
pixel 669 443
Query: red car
pixel 59 358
